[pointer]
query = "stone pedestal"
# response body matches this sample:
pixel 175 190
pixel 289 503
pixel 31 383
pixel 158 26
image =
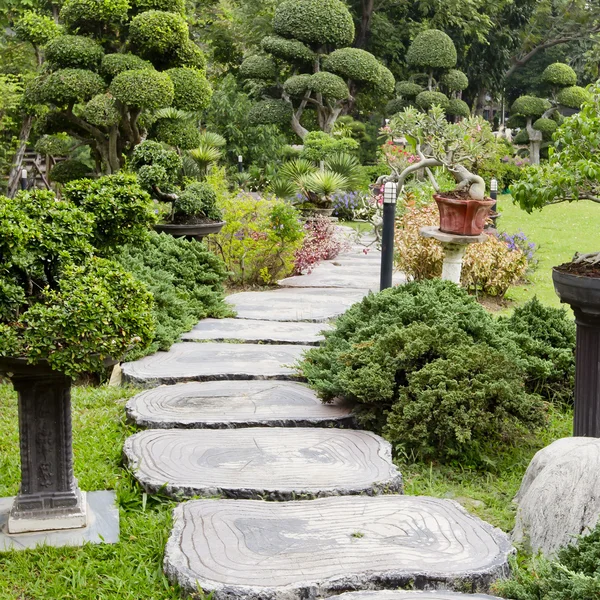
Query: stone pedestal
pixel 454 249
pixel 50 498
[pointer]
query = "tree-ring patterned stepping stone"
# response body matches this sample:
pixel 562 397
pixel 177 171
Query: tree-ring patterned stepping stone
pixel 262 462
pixel 412 595
pixel 316 548
pixel 225 404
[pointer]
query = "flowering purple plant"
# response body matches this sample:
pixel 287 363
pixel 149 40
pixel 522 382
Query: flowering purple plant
pixel 345 204
pixel 519 241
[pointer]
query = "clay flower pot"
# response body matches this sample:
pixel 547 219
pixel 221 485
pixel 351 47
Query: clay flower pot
pixel 462 216
pixel 196 231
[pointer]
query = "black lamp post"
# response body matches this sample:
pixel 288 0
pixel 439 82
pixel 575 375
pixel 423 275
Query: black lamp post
pixel 390 192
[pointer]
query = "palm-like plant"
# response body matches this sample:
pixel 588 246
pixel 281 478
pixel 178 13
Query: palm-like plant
pixel 210 138
pixel 320 186
pixel 294 169
pixel 348 166
pixel 204 156
pixel 282 187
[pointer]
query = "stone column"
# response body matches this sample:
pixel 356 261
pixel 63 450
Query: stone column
pixel 49 498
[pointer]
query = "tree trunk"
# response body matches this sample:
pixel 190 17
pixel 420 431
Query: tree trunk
pixel 15 171
pixel 535 142
pixel 364 31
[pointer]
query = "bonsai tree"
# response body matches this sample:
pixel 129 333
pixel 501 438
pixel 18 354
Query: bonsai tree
pixel 432 55
pixel 540 116
pixel 311 50
pixel 111 68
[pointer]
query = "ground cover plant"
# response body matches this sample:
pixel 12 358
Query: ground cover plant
pixel 436 374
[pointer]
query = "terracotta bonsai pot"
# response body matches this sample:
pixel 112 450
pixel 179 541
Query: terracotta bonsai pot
pixel 197 231
pixel 463 217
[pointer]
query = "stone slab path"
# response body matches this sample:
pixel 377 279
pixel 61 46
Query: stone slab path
pixel 311 304
pixel 267 332
pixel 332 276
pixel 271 463
pixel 414 595
pixel 230 404
pixel 311 549
pixel 189 361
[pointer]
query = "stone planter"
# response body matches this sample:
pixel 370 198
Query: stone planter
pixel 582 294
pixel 462 217
pixel 49 497
pixel 196 232
pixel 317 212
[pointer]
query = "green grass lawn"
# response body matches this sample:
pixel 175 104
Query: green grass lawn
pixel 559 231
pixel 132 569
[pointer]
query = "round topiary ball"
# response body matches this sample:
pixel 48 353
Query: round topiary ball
pixel 395 106
pixel 102 111
pixel 530 106
pixel 270 112
pixel 113 64
pixel 68 170
pixel 546 126
pixel 353 63
pixel 150 153
pixel 177 132
pixel 515 121
pixel 425 100
pixel 143 88
pixel 36 29
pixel 408 89
pixel 290 50
pixel 573 97
pixel 197 200
pixel 432 49
pixel 189 55
pixel 74 52
pixel 258 67
pixel 67 86
pixel 91 16
pixel 458 108
pixel 521 138
pixel 157 34
pixel 315 22
pixel 174 6
pixel 559 74
pixel 192 90
pixel 297 85
pixel 329 85
pixel 385 82
pixel 54 145
pixel 455 80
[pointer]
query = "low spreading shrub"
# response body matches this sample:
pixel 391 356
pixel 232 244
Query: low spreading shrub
pixel 436 374
pixel 260 239
pixel 322 241
pixel 488 269
pixel 185 280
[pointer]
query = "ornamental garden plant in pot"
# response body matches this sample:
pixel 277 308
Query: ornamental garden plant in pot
pixel 434 142
pixel 573 173
pixel 187 206
pixel 64 310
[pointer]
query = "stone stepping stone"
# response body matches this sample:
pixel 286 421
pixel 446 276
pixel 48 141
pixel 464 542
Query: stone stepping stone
pixel 262 462
pixel 413 595
pixel 312 305
pixel 268 332
pixel 341 277
pixel 189 361
pixel 229 404
pixel 315 548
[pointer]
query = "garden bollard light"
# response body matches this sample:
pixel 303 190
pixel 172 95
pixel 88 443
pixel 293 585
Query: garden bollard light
pixel 390 191
pixel 23 179
pixel 494 196
pixel 240 164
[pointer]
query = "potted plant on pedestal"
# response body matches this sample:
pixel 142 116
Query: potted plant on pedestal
pixel 186 207
pixel 63 311
pixel 573 173
pixel 433 142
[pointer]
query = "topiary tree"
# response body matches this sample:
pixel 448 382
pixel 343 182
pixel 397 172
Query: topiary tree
pixel 112 68
pixel 535 113
pixel 431 51
pixel 310 50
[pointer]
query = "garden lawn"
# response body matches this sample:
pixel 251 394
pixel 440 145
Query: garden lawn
pixel 132 569
pixel 559 230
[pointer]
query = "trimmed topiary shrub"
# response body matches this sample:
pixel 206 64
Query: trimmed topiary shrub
pixel 92 16
pixel 177 132
pixel 395 106
pixel 74 51
pixel 432 49
pixel 516 121
pixel 36 29
pixel 143 88
pixel 559 74
pixel 353 63
pixel 54 145
pixel 530 106
pixel 430 369
pixel 270 112
pixel 329 85
pixel 315 22
pixel 458 108
pixel 573 97
pixel 546 126
pixel 408 89
pixel 455 80
pixel 68 170
pixel 113 64
pixel 425 100
pixel 296 85
pixel 258 67
pixel 189 55
pixel 192 90
pixel 521 138
pixel 67 86
pixel 156 34
pixel 102 111
pixel 319 146
pixel 174 6
pixel 155 164
pixel 199 201
pixel 290 50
